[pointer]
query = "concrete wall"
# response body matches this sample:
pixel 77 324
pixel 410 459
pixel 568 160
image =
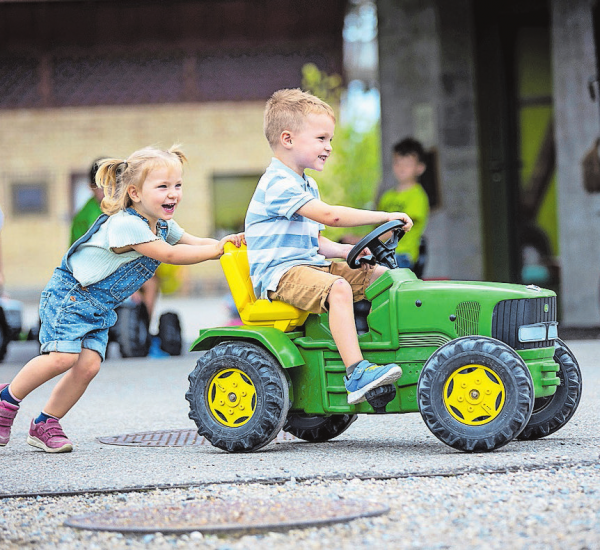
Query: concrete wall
pixel 577 126
pixel 51 144
pixel 426 80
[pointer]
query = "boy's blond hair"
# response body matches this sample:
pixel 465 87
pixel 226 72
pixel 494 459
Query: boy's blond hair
pixel 286 110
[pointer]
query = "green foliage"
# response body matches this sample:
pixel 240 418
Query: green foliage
pixel 353 171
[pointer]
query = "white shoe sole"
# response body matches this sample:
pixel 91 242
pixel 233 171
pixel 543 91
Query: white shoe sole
pixel 358 396
pixel 35 442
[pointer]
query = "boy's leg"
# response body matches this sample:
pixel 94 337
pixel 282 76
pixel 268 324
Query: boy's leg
pixel 362 376
pixel 341 322
pixel 318 290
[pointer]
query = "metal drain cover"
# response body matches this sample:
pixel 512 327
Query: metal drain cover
pixel 169 438
pixel 234 516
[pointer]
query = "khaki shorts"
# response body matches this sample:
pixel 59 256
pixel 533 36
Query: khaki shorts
pixel 307 286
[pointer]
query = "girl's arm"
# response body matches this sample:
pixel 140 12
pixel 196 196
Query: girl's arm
pixel 190 250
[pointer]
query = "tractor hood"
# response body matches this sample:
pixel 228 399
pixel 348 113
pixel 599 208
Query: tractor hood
pixel 461 308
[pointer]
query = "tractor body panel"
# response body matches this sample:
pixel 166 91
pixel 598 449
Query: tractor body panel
pixel 408 321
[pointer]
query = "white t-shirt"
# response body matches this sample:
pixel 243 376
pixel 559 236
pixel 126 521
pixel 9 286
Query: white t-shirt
pixel 95 260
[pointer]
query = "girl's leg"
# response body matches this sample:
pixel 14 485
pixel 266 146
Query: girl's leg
pixel 73 384
pixel 39 370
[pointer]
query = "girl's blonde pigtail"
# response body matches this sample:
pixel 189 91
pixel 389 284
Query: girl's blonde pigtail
pixel 175 150
pixel 108 177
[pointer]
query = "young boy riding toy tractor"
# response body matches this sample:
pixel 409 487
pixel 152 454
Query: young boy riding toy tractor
pixel 482 362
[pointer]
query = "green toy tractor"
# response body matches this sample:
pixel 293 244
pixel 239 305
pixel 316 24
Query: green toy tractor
pixel 482 362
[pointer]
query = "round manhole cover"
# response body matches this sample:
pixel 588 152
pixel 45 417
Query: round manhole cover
pixel 233 516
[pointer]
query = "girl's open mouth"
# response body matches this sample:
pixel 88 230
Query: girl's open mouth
pixel 170 208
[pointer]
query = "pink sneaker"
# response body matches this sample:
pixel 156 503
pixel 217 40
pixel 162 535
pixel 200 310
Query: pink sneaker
pixel 8 411
pixel 49 436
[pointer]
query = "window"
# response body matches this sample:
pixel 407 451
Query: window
pixel 231 196
pixel 29 198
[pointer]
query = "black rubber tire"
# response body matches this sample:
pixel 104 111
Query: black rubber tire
pixel 506 365
pixel 169 332
pixel 272 396
pixel 132 330
pixel 4 340
pixel 550 414
pixel 317 429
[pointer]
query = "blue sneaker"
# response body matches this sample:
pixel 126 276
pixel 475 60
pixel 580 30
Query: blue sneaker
pixel 367 376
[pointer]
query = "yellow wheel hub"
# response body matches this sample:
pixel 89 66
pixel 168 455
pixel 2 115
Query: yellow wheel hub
pixel 231 397
pixel 474 395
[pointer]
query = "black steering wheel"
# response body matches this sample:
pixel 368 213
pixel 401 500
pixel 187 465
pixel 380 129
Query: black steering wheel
pixel 383 253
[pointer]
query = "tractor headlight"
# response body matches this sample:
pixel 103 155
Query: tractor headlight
pixel 538 332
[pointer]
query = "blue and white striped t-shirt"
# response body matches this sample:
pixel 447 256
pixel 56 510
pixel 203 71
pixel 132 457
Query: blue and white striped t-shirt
pixel 278 238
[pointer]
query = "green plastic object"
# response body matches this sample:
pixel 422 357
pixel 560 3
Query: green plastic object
pixel 468 366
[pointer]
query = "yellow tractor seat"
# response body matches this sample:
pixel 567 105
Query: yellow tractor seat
pixel 252 311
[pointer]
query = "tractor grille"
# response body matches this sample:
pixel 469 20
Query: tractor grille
pixel 467 318
pixel 509 315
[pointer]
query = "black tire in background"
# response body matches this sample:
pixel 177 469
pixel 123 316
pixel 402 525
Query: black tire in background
pixel 239 396
pixel 551 413
pixel 475 394
pixel 132 330
pixel 169 332
pixel 4 339
pixel 4 335
pixel 316 429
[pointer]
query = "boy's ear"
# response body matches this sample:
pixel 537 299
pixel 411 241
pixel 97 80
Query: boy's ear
pixel 286 139
pixel 421 167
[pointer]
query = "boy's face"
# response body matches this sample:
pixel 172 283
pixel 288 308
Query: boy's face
pixel 310 146
pixel 407 168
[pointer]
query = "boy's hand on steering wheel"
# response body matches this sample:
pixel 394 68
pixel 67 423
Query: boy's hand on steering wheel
pixel 408 223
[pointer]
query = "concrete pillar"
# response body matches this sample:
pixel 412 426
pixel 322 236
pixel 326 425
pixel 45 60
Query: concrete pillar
pixel 577 124
pixel 426 80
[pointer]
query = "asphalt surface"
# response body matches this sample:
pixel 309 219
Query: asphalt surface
pixel 139 395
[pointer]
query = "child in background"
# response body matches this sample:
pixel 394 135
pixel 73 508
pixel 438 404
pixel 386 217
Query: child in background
pixel 110 262
pixel 286 251
pixel 408 196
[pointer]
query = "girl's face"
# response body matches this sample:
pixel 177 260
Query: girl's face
pixel 159 195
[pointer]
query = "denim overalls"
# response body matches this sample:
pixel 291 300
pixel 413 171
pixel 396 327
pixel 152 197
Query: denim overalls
pixel 73 316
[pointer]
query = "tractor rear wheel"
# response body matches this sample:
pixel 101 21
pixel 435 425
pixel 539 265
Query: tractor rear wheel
pixel 239 396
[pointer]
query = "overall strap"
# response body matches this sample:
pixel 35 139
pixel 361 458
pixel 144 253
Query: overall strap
pixel 84 239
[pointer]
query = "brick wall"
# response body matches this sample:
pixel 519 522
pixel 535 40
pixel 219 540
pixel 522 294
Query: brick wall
pixel 50 145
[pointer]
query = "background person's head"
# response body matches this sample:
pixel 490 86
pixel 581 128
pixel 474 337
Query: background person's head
pixel 408 161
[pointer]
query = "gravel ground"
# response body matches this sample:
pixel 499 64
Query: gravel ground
pixel 556 508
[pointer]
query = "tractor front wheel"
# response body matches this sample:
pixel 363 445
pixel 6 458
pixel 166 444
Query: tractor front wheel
pixel 239 396
pixel 475 394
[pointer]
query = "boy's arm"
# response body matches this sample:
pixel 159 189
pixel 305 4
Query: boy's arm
pixel 344 216
pixel 331 249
